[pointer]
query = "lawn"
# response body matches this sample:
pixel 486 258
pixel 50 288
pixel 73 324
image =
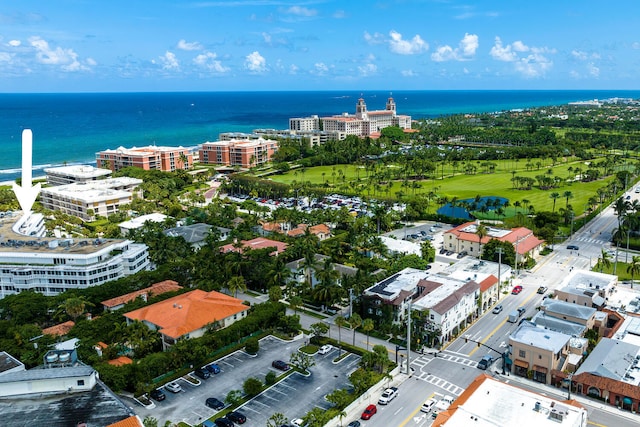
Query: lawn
pixel 344 178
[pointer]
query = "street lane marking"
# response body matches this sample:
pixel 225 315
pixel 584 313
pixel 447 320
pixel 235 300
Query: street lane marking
pixel 410 417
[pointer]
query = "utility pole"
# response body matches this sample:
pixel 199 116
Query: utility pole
pixel 499 250
pixel 408 336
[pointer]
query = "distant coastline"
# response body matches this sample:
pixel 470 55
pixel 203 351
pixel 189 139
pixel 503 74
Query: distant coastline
pixel 71 128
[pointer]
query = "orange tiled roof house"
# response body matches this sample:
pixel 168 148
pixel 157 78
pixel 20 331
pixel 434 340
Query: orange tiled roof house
pixel 189 315
pixel 159 288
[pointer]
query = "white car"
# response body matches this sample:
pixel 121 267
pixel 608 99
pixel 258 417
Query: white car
pixel 173 387
pixel 325 349
pixel 298 422
pixel 388 395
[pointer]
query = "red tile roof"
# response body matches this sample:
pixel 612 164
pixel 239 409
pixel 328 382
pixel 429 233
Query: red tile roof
pixel 59 330
pixel 488 283
pixel 132 421
pixel 257 243
pixel 188 312
pixel 122 360
pixel 155 289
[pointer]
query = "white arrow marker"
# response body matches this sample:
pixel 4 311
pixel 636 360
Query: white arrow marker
pixel 26 194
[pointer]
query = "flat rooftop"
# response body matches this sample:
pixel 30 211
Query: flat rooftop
pixel 78 171
pixel 12 242
pixel 405 280
pixel 581 281
pixel 492 403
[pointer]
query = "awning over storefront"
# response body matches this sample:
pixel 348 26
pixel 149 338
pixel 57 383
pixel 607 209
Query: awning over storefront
pixel 540 369
pixel 627 401
pixel 521 363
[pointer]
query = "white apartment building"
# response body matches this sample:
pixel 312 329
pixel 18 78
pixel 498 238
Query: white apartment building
pixel 362 123
pixel 88 199
pixel 52 266
pixel 75 174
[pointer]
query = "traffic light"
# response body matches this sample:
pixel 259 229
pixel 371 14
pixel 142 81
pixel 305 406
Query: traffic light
pixel 466 340
pixel 478 343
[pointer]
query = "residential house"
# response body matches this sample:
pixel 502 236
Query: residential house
pixel 159 288
pixel 189 315
pixel 257 243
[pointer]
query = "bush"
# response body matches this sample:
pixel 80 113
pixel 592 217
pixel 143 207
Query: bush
pixel 252 346
pixel 270 378
pixel 252 386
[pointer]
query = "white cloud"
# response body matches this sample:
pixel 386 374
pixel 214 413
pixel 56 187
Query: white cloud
pixel 67 59
pixel 321 68
pixel 302 11
pixel 293 69
pixel 185 45
pixel 465 51
pixel 502 53
pixel 14 43
pixel 375 38
pixel 255 62
pixel 593 70
pixel 406 47
pixel 367 69
pixel 209 61
pixel 169 61
pixel 408 73
pixel 535 64
pixel 583 56
pixel 635 45
pixel 5 57
pixel 339 14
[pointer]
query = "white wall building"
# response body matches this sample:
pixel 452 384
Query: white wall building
pixel 52 266
pixel 102 197
pixel 76 173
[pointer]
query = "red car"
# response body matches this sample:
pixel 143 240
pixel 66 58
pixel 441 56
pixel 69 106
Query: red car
pixel 516 290
pixel 368 413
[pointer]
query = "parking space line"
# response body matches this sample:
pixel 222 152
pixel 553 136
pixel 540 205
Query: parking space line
pixel 278 391
pixel 260 403
pixel 266 396
pixel 286 386
pixel 248 408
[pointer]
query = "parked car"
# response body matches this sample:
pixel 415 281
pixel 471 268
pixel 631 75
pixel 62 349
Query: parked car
pixel 354 424
pixel 298 422
pixel 157 394
pixel 279 364
pixel 573 247
pixel 449 253
pixel 325 349
pixel 214 403
pixel 462 254
pixel 222 422
pixel 521 311
pixel 173 387
pixel 516 290
pixel 237 417
pixel 443 251
pixel 388 395
pixel 213 368
pixel 542 289
pixel 202 373
pixel 369 412
pixel 497 309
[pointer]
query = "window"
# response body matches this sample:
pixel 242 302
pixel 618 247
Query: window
pixel 522 353
pixel 80 382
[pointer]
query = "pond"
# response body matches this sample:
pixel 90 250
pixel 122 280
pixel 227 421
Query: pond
pixel 464 207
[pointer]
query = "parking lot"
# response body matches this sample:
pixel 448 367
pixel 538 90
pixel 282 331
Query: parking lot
pixel 291 396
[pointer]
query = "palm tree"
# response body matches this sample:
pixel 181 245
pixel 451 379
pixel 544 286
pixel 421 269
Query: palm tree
pixel 74 307
pixel 605 260
pixel 340 322
pixel 634 268
pixel 235 284
pixel 555 196
pixel 481 231
pixel 567 195
pixel 367 326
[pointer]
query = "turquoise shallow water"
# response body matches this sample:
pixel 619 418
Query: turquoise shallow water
pixel 71 128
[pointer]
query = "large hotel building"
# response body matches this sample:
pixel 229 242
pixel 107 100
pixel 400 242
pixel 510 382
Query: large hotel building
pixel 362 123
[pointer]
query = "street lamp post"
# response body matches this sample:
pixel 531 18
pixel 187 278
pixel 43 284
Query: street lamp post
pixel 499 250
pixel 569 389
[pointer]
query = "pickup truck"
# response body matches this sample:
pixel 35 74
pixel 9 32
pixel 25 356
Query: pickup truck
pixel 388 395
pixel 442 405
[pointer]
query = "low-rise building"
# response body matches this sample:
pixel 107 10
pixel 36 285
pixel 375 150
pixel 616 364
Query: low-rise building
pixel 167 159
pixel 196 234
pixel 189 315
pixel 257 243
pixel 87 199
pixel 489 402
pixel 536 351
pixel 587 288
pixel 159 288
pixel 570 312
pixel 75 174
pixel 138 222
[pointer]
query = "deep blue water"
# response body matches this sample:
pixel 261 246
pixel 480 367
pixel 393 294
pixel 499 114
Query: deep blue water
pixel 71 128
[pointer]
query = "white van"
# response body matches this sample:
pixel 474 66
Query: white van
pixel 428 405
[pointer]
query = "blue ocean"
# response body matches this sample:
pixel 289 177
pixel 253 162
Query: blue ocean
pixel 72 128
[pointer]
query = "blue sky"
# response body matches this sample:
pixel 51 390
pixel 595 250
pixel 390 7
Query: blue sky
pixel 161 45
